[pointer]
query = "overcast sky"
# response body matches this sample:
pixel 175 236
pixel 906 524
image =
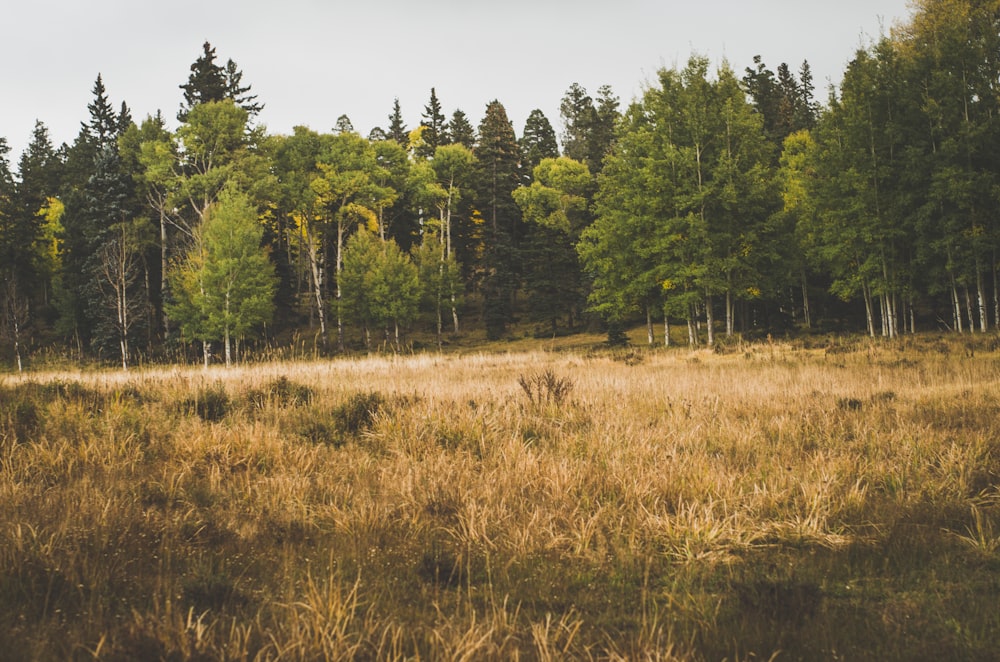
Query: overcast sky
pixel 310 61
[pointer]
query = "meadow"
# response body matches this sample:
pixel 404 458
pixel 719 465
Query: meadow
pixel 765 501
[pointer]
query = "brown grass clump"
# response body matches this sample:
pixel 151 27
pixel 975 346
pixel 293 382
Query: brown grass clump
pixel 688 505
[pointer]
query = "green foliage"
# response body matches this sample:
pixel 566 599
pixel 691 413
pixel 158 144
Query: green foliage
pixel 210 402
pixel 538 141
pixel 435 128
pixel 355 415
pixel 225 285
pixel 210 82
pixel 498 159
pixel 281 392
pixel 379 282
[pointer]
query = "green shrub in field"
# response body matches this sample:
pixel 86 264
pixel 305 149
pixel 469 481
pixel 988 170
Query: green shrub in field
pixel 345 421
pixel 282 391
pixel 357 413
pixel 210 403
pixel 20 416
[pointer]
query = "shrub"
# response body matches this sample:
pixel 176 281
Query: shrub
pixel 545 387
pixel 357 413
pixel 281 391
pixel 210 403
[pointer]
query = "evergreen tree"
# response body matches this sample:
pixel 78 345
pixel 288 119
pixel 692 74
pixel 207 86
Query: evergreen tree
pixel 578 117
pixel 555 208
pixel 344 125
pixel 498 174
pixel 32 253
pixel 537 142
pixel 103 127
pixel 435 130
pixel 460 130
pixel 602 133
pixel 209 81
pixel 91 216
pixel 397 128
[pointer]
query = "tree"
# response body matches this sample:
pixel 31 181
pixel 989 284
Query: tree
pixel 443 187
pixel 555 207
pixel 537 142
pixel 13 303
pixel 435 131
pixel 380 284
pixel 348 193
pixel 211 82
pixel 498 174
pixel 343 125
pixel 682 202
pixel 460 130
pixel 153 155
pixel 218 147
pixel 225 284
pixel 578 116
pixel 295 163
pixel 30 245
pixel 119 263
pixel 397 128
pixel 439 276
pixel 105 204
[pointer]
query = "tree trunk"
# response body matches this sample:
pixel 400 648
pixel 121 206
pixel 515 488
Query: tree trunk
pixel 666 330
pixel 984 322
pixel 956 306
pixel 317 282
pixel 206 351
pixel 692 333
pixel 340 317
pixel 968 309
pixel 996 292
pixel 869 312
pixel 163 273
pixel 649 326
pixel 17 345
pixel 806 316
pixel 709 320
pixel 729 312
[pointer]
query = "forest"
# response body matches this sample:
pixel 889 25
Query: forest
pixel 719 204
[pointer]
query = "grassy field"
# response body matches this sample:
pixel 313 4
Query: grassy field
pixel 767 502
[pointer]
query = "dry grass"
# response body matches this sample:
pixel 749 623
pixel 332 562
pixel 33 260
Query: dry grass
pixel 588 504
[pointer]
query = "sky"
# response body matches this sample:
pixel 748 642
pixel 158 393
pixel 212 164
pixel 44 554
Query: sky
pixel 311 61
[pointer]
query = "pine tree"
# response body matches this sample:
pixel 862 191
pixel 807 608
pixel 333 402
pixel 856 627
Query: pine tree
pixel 91 216
pixel 460 130
pixel 498 175
pixel 397 128
pixel 103 126
pixel 602 133
pixel 537 142
pixel 435 131
pixel 578 117
pixel 209 81
pixel 40 174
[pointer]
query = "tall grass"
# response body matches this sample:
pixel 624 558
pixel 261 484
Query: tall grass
pixel 774 501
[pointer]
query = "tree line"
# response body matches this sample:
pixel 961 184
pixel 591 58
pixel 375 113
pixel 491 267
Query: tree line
pixel 726 203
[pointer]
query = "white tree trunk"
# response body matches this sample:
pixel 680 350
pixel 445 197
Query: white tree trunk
pixel 709 320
